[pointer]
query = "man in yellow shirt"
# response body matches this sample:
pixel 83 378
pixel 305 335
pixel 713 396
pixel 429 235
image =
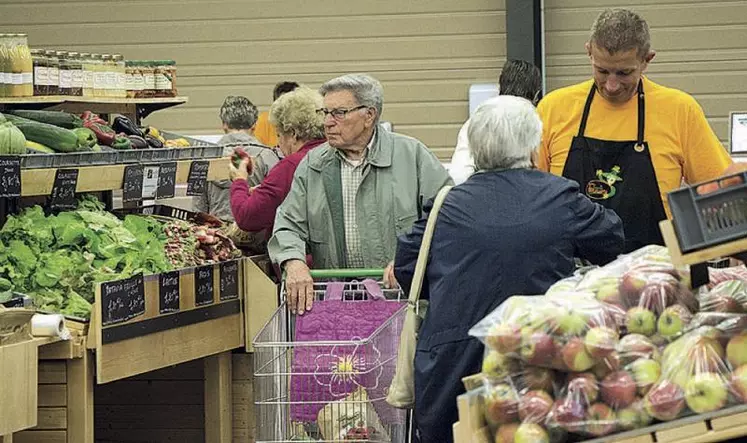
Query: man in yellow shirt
pixel 626 140
pixel 265 131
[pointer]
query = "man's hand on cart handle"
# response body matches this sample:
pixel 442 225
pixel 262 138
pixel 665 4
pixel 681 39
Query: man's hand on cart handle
pixel 390 281
pixel 299 286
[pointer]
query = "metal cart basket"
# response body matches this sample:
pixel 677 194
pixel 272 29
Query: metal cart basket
pixel 330 390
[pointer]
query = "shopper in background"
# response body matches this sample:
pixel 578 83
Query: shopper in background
pixel 519 78
pixel 626 140
pixel 300 128
pixel 509 229
pixel 265 130
pixel 353 195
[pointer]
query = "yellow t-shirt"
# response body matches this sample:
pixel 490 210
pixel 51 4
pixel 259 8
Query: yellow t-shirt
pixel 265 131
pixel 681 142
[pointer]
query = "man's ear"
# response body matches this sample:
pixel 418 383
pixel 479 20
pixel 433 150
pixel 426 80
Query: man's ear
pixel 646 60
pixel 588 48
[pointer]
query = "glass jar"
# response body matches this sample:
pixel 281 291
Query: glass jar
pixel 110 76
pixel 99 75
pixel 66 73
pixel 85 62
pixel 149 79
pixel 4 56
pixel 165 73
pixel 22 67
pixel 120 90
pixel 53 72
pixel 41 72
pixel 76 69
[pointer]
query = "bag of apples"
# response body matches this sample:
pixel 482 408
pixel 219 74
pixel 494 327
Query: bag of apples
pixel 729 296
pixel 717 276
pixel 564 333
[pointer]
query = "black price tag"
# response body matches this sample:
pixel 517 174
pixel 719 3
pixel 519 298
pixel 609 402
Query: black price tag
pixel 204 285
pixel 10 176
pixel 122 300
pixel 168 292
pixel 166 180
pixel 229 280
pixel 197 179
pixel 132 189
pixel 63 190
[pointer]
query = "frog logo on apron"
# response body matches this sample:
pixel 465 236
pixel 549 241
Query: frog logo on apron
pixel 604 187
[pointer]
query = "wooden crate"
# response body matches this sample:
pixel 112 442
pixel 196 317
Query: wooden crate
pixel 18 400
pixel 260 298
pixel 153 340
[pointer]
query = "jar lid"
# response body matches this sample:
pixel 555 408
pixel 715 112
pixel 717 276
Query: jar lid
pixel 85 54
pixel 61 53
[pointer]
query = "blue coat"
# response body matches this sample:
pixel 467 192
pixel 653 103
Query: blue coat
pixel 499 234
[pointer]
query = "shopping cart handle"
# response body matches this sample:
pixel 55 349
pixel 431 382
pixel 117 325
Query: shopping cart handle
pixel 346 273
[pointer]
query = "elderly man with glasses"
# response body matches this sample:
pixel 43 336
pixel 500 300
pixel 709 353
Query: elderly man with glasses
pixel 352 196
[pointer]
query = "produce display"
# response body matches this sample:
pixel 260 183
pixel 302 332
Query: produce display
pixel 58 259
pixel 612 349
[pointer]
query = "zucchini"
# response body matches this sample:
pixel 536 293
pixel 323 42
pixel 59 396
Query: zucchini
pixel 56 118
pixel 59 139
pixel 34 146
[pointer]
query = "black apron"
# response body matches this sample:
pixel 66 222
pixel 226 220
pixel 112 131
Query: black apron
pixel 620 176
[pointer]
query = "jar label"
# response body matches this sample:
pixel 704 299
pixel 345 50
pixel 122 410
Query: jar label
pixel 41 75
pixel 88 82
pixel 149 81
pixel 54 76
pixel 99 80
pixel 138 82
pixel 66 78
pixel 111 80
pixel 163 82
pixel 78 78
pixel 121 81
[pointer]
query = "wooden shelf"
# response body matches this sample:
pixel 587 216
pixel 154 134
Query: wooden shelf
pixel 47 99
pixel 701 256
pixel 135 108
pixel 35 182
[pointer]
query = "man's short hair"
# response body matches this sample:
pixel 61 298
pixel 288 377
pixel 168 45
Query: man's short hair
pixel 620 30
pixel 238 112
pixel 366 90
pixel 520 78
pixel 283 88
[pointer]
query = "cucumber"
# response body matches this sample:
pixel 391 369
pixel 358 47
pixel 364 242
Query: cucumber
pixel 59 139
pixel 34 146
pixel 56 118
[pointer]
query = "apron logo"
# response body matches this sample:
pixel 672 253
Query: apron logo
pixel 603 188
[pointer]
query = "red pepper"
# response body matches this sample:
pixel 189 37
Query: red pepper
pixel 238 155
pixel 104 133
pixel 90 116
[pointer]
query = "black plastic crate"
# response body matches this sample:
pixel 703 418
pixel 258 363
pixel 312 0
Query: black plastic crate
pixel 710 213
pixel 169 212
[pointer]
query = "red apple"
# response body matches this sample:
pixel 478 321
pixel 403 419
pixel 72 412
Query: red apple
pixel 609 293
pixel 610 363
pixel 656 297
pixel 569 414
pixel 631 285
pixel 635 346
pixel 665 401
pixel 536 378
pixel 707 355
pixel 583 386
pixel 575 355
pixel 739 383
pixel 505 433
pixel 618 389
pixel 501 404
pixel 537 348
pixel 601 341
pixel 504 338
pixel 601 420
pixel 534 407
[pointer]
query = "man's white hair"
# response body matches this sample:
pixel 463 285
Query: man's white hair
pixel 503 133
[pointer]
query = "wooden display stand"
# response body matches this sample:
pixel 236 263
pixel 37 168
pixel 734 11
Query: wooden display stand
pixel 701 256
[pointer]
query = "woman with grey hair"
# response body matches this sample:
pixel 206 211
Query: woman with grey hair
pixel 509 229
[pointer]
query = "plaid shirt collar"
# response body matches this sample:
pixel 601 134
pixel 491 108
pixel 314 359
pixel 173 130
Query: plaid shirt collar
pixel 369 147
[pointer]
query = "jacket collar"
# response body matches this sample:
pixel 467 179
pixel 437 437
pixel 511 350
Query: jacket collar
pixel 380 154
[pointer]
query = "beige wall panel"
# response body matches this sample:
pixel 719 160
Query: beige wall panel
pixel 699 48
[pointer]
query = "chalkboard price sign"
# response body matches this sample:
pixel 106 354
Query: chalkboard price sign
pixel 166 180
pixel 168 292
pixel 229 280
pixel 10 176
pixel 122 300
pixel 63 190
pixel 197 179
pixel 132 189
pixel 204 285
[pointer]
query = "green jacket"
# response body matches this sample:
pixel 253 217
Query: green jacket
pixel 400 175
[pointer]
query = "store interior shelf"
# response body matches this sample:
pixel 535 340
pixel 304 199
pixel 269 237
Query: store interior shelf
pixel 701 256
pixel 37 182
pixel 134 107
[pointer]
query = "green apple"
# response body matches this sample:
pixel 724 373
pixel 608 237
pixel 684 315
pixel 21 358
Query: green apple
pixel 736 350
pixel 673 321
pixel 680 376
pixel 610 293
pixel 531 433
pixel 572 322
pixel 600 341
pixel 506 433
pixel 640 321
pixel 739 383
pixel 633 417
pixel 498 365
pixel 504 338
pixel 706 392
pixel 646 372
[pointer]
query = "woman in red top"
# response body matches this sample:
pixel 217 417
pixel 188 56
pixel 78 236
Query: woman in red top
pixel 299 129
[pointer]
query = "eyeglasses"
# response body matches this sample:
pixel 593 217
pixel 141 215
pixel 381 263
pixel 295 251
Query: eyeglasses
pixel 338 113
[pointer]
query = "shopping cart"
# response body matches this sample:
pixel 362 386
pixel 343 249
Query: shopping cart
pixel 331 390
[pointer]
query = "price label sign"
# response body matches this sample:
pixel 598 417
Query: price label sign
pixel 10 176
pixel 166 181
pixel 132 188
pixel 63 190
pixel 150 182
pixel 168 292
pixel 197 179
pixel 229 280
pixel 204 285
pixel 122 300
